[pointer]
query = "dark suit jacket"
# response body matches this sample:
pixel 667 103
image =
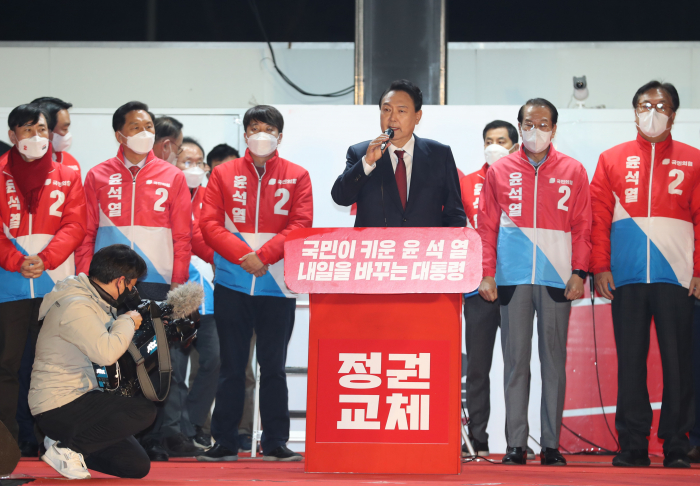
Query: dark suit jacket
pixel 434 198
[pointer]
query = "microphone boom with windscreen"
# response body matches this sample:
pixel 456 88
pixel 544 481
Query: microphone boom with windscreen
pixel 389 132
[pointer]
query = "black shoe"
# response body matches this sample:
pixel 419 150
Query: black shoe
pixel 530 453
pixel 481 448
pixel 282 453
pixel 29 449
pixel 245 443
pixel 676 459
pixel 551 457
pixel 218 453
pixel 515 456
pixel 180 446
pixel 201 438
pixel 633 458
pixel 155 451
pixel 694 454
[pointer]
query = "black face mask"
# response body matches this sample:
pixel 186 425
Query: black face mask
pixel 124 297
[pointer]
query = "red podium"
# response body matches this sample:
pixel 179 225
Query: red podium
pixel 384 383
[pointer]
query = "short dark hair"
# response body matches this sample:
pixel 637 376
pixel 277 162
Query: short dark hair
pixel 265 114
pixel 221 152
pixel 192 141
pixel 119 117
pixel 512 132
pixel 668 87
pixel 115 261
pixel 407 87
pixel 540 102
pixel 26 114
pixel 167 127
pixel 52 106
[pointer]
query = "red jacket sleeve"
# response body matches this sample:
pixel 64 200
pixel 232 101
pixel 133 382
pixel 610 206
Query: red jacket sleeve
pixel 83 254
pixel 301 215
pixel 695 210
pixel 10 257
pixel 581 223
pixel 181 227
pixel 199 246
pixel 212 223
pixel 72 230
pixel 489 221
pixel 602 207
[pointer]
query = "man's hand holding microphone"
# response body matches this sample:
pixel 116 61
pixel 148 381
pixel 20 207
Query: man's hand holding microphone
pixel 377 146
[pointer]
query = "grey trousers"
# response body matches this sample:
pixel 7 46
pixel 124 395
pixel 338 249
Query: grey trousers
pixel 516 341
pixel 246 425
pixel 481 321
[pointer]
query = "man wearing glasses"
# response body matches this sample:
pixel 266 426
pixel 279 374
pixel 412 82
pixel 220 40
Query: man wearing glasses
pixel 535 223
pixel 646 224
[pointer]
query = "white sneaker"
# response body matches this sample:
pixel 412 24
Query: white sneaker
pixel 68 463
pixel 48 442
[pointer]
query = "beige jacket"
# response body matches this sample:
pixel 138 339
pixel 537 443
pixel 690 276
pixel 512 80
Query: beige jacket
pixel 79 329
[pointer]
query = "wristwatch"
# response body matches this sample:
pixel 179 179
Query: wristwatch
pixel 581 273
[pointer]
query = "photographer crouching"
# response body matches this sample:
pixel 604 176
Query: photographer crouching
pixel 89 429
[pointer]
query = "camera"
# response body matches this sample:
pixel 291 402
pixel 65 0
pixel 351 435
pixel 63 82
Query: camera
pixel 580 88
pixel 179 323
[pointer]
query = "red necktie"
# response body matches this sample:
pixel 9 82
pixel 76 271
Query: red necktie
pixel 400 175
pixel 134 169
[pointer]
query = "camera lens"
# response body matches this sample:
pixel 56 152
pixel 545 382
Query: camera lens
pixel 579 85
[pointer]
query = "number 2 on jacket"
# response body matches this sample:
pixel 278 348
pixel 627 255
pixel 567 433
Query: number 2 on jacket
pixel 566 190
pixel 163 193
pixel 60 198
pixel 283 200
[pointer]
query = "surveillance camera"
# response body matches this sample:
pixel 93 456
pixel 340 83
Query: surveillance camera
pixel 580 88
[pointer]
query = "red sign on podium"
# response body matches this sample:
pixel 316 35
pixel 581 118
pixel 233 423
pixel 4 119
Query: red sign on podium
pixel 389 260
pixel 383 391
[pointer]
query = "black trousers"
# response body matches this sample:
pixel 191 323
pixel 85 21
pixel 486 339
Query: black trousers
pixel 481 322
pixel 101 427
pixel 19 320
pixel 633 307
pixel 272 318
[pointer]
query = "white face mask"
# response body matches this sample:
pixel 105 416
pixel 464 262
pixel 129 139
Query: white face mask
pixel 193 176
pixel 652 123
pixel 494 152
pixel 34 147
pixel 61 143
pixel 141 143
pixel 536 140
pixel 262 144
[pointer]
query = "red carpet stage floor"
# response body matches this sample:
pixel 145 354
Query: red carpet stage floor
pixel 582 470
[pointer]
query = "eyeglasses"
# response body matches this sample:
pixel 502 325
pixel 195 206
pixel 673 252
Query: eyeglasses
pixel 528 125
pixel 661 107
pixel 190 165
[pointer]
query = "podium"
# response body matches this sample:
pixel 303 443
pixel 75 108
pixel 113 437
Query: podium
pixel 384 371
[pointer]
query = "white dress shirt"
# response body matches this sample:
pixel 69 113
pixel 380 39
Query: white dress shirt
pixel 407 159
pixel 129 165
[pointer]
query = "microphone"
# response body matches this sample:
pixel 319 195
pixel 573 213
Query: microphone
pixel 185 299
pixel 389 132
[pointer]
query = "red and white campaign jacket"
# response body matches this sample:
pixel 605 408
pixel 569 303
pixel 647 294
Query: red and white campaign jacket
pixel 535 225
pixel 53 233
pixel 471 186
pixel 243 212
pixel 646 228
pixel 151 213
pixel 64 158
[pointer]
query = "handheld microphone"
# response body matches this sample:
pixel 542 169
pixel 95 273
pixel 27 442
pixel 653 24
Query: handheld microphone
pixel 389 132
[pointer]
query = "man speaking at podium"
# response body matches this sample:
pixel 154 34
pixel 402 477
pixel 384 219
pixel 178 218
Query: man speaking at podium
pixel 404 181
